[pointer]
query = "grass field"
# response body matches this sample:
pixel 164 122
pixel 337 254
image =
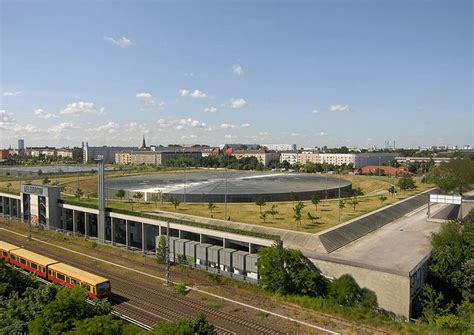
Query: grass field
pixel 327 212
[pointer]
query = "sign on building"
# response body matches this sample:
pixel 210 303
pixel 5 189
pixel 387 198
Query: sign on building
pixel 446 199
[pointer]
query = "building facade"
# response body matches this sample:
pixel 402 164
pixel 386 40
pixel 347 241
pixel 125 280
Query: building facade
pixel 160 157
pixel 123 158
pixel 289 156
pixel 280 147
pixel 263 156
pixel 107 153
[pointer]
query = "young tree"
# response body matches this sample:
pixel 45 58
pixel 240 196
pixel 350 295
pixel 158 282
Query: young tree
pixel 341 205
pixel 357 192
pixel 161 250
pixel 353 201
pixel 382 198
pixel 312 218
pixel 120 194
pixel 211 206
pixel 297 209
pixel 46 180
pixel 263 216
pixel 260 202
pixel 315 200
pixel 138 196
pixel 273 211
pixel 175 202
pixel 392 190
pixel 155 197
pixel 8 186
pixel 406 182
pixel 78 194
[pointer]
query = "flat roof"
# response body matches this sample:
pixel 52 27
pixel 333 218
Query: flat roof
pixel 76 273
pixel 7 246
pixel 32 256
pixel 400 245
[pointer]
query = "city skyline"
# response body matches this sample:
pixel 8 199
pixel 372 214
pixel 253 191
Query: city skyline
pixel 314 74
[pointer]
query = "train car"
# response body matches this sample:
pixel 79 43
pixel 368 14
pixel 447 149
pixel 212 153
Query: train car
pixel 66 275
pixel 5 249
pixel 31 261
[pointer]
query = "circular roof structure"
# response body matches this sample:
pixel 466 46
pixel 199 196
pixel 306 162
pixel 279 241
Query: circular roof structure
pixel 236 186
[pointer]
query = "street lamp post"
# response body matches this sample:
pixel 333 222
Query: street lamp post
pixel 379 166
pixel 184 195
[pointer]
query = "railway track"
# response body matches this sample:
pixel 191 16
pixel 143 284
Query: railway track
pixel 155 303
pixel 248 297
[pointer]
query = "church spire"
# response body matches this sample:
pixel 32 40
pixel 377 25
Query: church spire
pixel 143 143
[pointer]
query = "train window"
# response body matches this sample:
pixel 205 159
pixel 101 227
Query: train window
pixel 60 276
pixel 5 254
pixel 23 261
pixel 50 272
pixel 34 266
pixel 103 288
pixel 13 257
pixel 42 269
pixel 74 281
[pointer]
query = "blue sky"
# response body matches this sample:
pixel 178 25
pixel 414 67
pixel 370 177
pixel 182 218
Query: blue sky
pixel 314 73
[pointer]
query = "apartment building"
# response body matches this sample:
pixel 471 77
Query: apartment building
pixel 289 156
pixel 263 156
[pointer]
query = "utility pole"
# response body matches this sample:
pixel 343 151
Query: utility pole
pixel 167 253
pixel 184 195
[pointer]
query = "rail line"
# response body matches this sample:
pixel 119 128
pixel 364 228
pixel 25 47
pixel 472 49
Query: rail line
pixel 339 321
pixel 336 320
pixel 159 302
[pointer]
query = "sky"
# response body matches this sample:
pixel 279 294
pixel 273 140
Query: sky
pixel 314 73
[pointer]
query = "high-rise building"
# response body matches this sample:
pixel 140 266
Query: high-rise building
pixel 21 144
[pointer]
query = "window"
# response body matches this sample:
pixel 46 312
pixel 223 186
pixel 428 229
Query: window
pixel 103 287
pixel 34 266
pixel 23 261
pixel 5 254
pixel 60 276
pixel 74 281
pixel 50 272
pixel 14 257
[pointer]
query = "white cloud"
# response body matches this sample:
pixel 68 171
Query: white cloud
pixel 210 110
pixel 110 127
pixel 81 107
pixel 5 117
pixel 11 94
pixel 197 94
pixel 339 108
pixel 237 103
pixel 26 129
pixel 149 100
pixel 322 133
pixel 42 114
pixel 294 134
pixel 264 133
pixel 229 137
pixel 315 111
pixel 238 70
pixel 245 125
pixel 227 126
pixel 122 42
pixel 189 122
pixel 62 127
pixel 144 95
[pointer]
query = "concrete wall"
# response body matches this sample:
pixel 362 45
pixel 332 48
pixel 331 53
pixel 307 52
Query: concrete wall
pixel 392 290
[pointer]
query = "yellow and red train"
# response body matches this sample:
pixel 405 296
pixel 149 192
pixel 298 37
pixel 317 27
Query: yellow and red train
pixel 52 270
